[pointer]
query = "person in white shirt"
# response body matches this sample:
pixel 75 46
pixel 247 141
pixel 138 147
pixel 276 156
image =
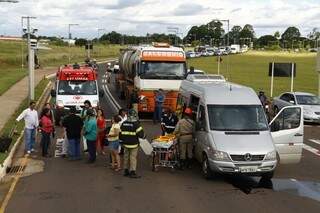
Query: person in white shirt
pixel 30 116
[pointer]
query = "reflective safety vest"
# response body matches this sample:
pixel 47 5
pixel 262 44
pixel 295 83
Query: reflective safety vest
pixel 169 122
pixel 130 134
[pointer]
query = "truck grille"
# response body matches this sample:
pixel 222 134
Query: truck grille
pixel 242 157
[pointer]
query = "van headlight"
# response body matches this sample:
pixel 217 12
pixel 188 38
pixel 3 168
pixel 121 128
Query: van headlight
pixel 220 156
pixel 271 156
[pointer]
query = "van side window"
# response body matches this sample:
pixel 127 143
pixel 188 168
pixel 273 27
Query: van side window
pixel 288 119
pixel 201 120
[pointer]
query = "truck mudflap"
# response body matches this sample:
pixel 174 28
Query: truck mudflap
pixel 147 102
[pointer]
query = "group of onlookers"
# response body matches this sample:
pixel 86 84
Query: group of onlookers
pixel 121 138
pixel 90 128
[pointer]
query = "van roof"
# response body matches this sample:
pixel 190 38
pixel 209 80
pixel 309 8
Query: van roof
pixel 222 93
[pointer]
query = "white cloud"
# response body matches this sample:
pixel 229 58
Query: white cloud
pixel 154 16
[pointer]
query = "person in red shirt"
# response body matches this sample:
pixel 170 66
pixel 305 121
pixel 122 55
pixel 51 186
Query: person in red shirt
pixel 46 131
pixel 101 124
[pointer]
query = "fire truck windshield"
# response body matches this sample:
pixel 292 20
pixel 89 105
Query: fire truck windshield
pixel 162 70
pixel 77 87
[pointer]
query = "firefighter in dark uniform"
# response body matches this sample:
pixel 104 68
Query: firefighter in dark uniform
pixel 131 131
pixel 168 122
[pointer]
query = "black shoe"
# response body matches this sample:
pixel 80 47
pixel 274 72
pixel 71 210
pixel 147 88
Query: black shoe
pixel 126 173
pixel 133 174
pixel 85 150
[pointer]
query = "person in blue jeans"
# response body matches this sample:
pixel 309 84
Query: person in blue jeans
pixel 159 100
pixel 73 125
pixel 30 116
pixel 90 133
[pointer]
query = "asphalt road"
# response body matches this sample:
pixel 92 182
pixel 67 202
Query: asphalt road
pixel 66 186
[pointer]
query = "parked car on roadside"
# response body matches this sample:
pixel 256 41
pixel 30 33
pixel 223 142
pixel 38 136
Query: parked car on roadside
pixel 190 54
pixel 309 102
pixel 198 54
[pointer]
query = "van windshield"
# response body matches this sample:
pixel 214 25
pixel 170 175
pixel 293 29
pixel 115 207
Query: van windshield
pixel 237 118
pixel 76 87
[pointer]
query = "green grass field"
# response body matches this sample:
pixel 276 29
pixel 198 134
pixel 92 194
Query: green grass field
pixel 251 69
pixel 10 59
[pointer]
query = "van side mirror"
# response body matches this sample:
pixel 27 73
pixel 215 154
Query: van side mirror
pixel 53 93
pixel 101 93
pixel 291 101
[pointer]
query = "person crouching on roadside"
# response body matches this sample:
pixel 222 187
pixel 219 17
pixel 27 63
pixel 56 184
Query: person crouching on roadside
pixel 90 134
pixel 113 138
pixel 46 131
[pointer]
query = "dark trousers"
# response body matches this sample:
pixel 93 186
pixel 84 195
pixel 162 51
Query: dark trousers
pixel 45 142
pixel 157 114
pixel 92 150
pixel 74 148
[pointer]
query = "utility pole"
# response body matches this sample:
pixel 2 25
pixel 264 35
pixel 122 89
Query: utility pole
pixel 30 57
pixel 69 39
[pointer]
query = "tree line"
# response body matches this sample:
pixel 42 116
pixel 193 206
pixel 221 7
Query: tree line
pixel 213 34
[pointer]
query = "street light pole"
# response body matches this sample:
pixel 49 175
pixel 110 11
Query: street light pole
pixel 10 1
pixel 30 58
pixel 69 39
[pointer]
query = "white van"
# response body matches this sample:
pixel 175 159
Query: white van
pixel 232 133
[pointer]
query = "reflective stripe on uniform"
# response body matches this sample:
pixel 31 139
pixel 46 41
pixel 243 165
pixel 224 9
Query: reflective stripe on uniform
pixel 131 146
pixel 170 127
pixel 139 129
pixel 128 133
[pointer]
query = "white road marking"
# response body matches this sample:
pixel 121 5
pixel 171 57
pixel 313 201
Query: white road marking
pixel 311 149
pixel 315 141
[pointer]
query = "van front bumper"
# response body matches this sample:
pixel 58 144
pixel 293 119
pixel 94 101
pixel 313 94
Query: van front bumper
pixel 249 168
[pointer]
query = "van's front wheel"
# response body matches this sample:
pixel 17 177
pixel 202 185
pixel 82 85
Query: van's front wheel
pixel 206 170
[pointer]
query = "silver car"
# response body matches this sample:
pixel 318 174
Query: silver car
pixel 309 102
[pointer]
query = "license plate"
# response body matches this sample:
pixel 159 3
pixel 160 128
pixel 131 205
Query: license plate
pixel 248 169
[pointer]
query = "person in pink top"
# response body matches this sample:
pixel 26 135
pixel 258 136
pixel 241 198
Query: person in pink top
pixel 46 131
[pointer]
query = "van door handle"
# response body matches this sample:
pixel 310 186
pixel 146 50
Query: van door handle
pixel 298 135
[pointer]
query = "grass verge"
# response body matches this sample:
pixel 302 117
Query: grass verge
pixel 10 123
pixel 251 69
pixel 12 53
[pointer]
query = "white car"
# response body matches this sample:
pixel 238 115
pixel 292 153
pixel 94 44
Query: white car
pixel 309 102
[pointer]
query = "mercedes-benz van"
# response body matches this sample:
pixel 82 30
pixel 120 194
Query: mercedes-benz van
pixel 232 134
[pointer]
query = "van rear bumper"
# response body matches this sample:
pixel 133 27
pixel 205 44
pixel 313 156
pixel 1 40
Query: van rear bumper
pixel 259 167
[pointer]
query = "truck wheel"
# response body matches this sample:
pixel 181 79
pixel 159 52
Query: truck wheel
pixel 206 170
pixel 267 176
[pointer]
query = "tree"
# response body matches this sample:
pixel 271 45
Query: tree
pixel 277 35
pixel 215 31
pixel 266 40
pixel 234 34
pixel 290 34
pixel 81 42
pixel 247 32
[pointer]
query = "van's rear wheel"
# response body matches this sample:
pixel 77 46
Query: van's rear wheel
pixel 206 170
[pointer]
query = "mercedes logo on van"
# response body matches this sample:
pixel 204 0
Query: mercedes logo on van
pixel 247 157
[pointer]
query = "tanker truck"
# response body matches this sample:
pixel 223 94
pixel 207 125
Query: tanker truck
pixel 149 68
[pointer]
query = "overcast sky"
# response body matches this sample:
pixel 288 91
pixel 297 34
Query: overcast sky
pixel 139 17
